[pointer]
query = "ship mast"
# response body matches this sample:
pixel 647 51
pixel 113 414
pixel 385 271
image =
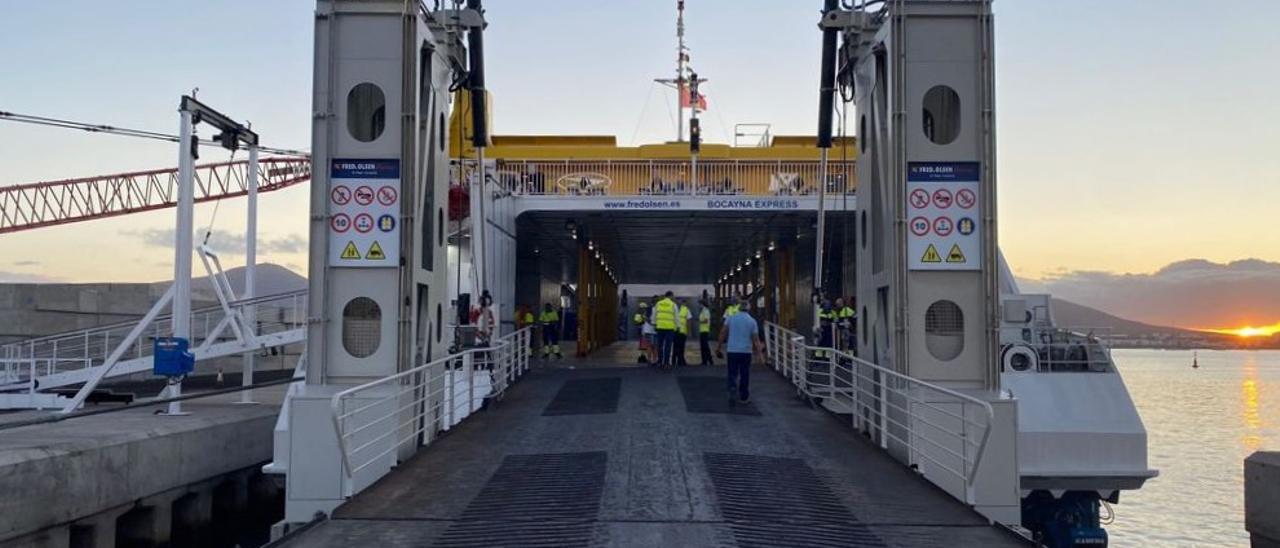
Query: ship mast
pixel 681 80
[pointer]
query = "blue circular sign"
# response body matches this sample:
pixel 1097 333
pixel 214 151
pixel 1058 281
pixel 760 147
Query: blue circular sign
pixel 386 223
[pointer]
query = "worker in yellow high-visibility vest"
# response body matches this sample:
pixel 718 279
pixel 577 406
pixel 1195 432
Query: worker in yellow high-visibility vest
pixel 525 318
pixel 827 317
pixel 683 316
pixel 550 321
pixel 729 310
pixel 664 319
pixel 704 333
pixel 641 319
pixel 845 316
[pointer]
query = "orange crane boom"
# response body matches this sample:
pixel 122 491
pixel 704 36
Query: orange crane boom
pixel 36 205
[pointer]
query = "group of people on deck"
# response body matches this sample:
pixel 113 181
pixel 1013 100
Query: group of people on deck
pixel 548 322
pixel 665 327
pixel 666 323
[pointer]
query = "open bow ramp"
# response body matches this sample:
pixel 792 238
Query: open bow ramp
pixel 612 456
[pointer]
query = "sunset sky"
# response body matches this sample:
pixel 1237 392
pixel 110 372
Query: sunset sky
pixel 1133 136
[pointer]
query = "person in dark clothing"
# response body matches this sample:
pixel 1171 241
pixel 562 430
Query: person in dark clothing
pixel 704 332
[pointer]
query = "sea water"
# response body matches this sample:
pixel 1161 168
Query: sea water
pixel 1201 425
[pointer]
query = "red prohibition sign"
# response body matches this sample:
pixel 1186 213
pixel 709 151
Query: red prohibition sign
pixel 942 226
pixel 919 226
pixel 965 198
pixel 941 198
pixel 364 223
pixel 340 195
pixel 387 195
pixel 340 223
pixel 919 199
pixel 364 195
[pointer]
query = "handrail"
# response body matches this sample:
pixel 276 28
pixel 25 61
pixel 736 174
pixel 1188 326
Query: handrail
pixel 789 353
pixel 91 346
pixel 667 177
pixel 166 316
pixel 504 362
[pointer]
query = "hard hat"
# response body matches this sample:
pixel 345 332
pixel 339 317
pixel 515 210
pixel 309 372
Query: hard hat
pixel 644 305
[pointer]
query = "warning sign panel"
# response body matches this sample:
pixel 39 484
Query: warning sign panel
pixel 364 209
pixel 942 203
pixel 349 252
pixel 931 255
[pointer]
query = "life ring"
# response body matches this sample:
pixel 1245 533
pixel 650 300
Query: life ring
pixel 1019 358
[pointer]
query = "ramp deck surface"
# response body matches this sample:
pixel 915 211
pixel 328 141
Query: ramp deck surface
pixel 664 465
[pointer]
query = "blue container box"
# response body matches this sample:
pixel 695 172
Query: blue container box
pixel 171 358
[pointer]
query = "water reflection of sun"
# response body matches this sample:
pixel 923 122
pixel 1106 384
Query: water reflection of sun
pixel 1249 413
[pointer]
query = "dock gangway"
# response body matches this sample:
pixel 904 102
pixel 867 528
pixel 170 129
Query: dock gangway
pixel 29 369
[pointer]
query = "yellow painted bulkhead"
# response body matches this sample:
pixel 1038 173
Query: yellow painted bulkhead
pixel 595 164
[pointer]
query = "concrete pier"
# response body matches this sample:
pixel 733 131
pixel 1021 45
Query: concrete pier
pixel 1262 498
pixel 133 478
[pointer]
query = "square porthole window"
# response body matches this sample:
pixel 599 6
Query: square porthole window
pixel 366 112
pixel 439 321
pixel 941 115
pixel 862 133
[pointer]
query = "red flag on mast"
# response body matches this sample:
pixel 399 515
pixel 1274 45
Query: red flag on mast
pixel 687 102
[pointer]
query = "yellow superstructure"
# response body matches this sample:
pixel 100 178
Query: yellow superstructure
pixel 595 164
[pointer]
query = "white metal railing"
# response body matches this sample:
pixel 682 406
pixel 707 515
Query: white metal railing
pixel 927 425
pixel 668 177
pixel 80 350
pixel 1072 349
pixel 374 420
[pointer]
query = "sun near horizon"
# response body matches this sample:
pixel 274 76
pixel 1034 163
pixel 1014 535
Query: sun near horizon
pixel 1248 331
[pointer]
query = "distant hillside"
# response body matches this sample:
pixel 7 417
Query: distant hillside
pixel 271 279
pixel 1069 314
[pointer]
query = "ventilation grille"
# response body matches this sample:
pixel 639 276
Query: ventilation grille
pixel 711 395
pixel 771 501
pixel 586 397
pixel 550 499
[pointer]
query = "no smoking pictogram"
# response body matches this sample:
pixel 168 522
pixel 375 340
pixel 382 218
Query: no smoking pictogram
pixel 941 198
pixel 364 196
pixel 340 223
pixel 942 226
pixel 364 223
pixel 340 195
pixel 387 195
pixel 919 199
pixel 965 198
pixel 920 226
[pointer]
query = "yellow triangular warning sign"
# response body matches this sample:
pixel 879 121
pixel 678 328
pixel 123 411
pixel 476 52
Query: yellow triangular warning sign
pixel 375 253
pixel 955 255
pixel 931 255
pixel 350 252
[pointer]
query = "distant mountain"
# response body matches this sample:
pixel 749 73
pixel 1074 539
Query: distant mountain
pixel 271 279
pixel 1069 314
